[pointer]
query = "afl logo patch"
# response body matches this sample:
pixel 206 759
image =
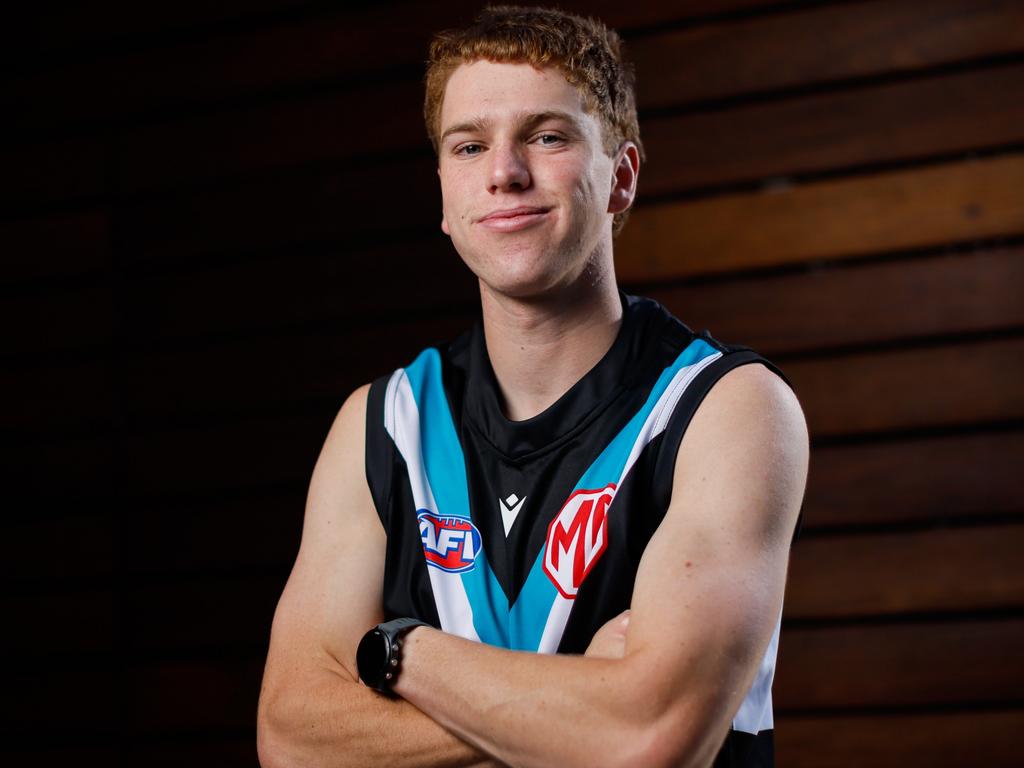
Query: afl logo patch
pixel 577 538
pixel 449 543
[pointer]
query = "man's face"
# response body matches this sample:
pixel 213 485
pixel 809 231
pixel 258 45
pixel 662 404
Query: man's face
pixel 525 181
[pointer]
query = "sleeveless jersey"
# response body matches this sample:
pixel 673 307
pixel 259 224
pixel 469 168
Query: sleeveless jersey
pixel 528 535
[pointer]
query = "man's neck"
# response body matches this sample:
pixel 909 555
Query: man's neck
pixel 539 348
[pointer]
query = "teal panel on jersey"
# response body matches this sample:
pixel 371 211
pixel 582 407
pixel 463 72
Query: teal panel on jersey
pixel 445 467
pixel 530 612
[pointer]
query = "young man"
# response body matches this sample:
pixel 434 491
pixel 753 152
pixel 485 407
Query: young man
pixel 500 502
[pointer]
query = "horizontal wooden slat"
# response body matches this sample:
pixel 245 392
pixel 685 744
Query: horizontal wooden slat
pixel 957 384
pixel 76 547
pixel 75 473
pixel 319 130
pixel 303 291
pixel 956 569
pixel 74 694
pixel 204 534
pixel 294 212
pixel 933 740
pixel 59 621
pixel 940 114
pixel 284 369
pixel 840 40
pixel 840 218
pixel 175 752
pixel 927 663
pixel 46 246
pixel 883 123
pixel 182 696
pixel 339 46
pixel 858 303
pixel 908 481
pixel 73 395
pixel 250 454
pixel 66 318
pixel 209 614
pixel 53 171
pixel 87 755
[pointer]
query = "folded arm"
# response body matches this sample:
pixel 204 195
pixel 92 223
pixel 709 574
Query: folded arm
pixel 705 603
pixel 312 710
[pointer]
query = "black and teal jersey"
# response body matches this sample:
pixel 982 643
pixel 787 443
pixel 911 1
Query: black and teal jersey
pixel 528 535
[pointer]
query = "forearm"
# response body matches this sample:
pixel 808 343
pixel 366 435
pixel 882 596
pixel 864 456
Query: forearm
pixel 331 721
pixel 530 709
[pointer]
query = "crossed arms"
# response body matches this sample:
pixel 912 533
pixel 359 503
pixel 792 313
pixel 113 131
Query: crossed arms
pixel 707 595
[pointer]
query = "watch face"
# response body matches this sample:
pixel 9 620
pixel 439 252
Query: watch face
pixel 371 657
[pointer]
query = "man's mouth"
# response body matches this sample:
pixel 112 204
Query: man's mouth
pixel 513 219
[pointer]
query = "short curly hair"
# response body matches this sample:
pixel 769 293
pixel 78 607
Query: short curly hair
pixel 584 50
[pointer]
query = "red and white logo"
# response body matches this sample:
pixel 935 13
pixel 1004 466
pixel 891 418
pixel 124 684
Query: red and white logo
pixel 577 538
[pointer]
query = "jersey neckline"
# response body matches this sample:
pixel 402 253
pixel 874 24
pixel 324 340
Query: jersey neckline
pixel 585 400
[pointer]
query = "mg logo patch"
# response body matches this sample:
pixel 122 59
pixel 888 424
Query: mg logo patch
pixel 449 543
pixel 577 538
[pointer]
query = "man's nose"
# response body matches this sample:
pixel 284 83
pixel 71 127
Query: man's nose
pixel 509 169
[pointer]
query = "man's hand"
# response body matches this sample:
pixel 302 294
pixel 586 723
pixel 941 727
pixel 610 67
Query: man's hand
pixel 609 642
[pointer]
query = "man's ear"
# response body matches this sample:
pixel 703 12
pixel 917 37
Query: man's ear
pixel 627 169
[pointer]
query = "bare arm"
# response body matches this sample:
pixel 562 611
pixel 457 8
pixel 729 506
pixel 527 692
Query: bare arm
pixel 312 709
pixel 706 600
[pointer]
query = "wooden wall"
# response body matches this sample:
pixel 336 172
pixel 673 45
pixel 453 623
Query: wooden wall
pixel 217 219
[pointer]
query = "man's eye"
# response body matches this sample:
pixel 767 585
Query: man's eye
pixel 549 139
pixel 469 149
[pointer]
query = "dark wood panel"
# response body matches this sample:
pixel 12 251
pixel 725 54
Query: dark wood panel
pixel 311 132
pixel 87 755
pixel 71 26
pixel 913 481
pixel 822 44
pixel 941 114
pixel 70 623
pixel 957 569
pixel 858 303
pixel 841 218
pixel 183 696
pixel 957 384
pixel 58 474
pixel 173 753
pixel 918 664
pixel 248 532
pixel 45 246
pixel 250 454
pixel 65 318
pixel 295 290
pixel 934 740
pixel 76 693
pixel 267 372
pixel 65 548
pixel 294 212
pixel 235 64
pixel 69 395
pixel 883 123
pixel 47 172
pixel 212 614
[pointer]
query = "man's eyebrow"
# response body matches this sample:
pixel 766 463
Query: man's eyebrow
pixel 526 121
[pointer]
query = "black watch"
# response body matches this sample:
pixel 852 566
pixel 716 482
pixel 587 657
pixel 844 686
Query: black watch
pixel 377 657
